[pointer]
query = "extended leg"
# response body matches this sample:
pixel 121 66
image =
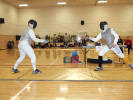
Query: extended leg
pixel 121 55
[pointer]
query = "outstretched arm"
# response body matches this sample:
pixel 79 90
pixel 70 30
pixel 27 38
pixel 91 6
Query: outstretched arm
pixel 33 37
pixel 97 38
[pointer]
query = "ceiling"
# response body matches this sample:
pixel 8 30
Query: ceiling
pixel 52 3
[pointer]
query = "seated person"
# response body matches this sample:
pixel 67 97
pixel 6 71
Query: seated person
pixel 128 43
pixel 120 43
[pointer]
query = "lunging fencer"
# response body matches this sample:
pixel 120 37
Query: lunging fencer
pixel 24 46
pixel 110 38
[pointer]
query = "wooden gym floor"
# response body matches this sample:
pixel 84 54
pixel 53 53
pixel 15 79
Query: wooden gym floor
pixel 61 81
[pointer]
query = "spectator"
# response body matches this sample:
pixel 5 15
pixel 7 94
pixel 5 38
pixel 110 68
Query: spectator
pixel 128 43
pixel 120 43
pixel 83 41
pixel 54 40
pixel 66 40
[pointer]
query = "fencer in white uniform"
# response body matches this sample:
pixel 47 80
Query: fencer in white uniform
pixel 24 46
pixel 110 38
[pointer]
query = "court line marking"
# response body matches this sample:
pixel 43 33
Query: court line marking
pixel 22 90
pixel 66 80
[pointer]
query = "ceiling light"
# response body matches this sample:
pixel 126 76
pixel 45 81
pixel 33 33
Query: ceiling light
pixel 102 1
pixel 23 5
pixel 61 3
